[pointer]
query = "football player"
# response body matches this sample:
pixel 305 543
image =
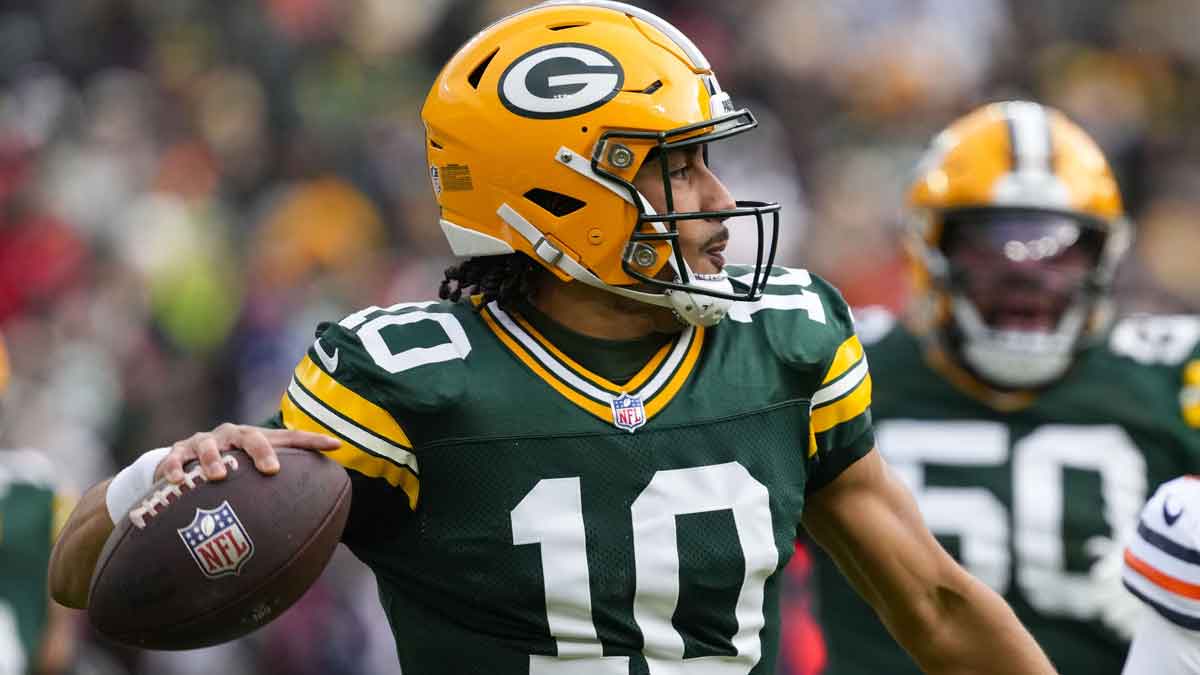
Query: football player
pixel 593 455
pixel 1028 425
pixel 1162 568
pixel 36 635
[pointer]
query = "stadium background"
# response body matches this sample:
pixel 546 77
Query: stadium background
pixel 187 188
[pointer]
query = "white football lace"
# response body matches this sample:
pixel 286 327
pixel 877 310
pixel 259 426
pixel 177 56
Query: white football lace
pixel 159 497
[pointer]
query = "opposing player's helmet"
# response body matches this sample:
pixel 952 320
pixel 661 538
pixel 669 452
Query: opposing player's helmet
pixel 536 127
pixel 1016 232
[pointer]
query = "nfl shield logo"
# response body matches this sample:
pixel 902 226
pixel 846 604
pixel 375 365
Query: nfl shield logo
pixel 628 412
pixel 218 542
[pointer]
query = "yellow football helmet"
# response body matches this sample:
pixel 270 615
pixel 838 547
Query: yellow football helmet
pixel 536 128
pixel 1016 232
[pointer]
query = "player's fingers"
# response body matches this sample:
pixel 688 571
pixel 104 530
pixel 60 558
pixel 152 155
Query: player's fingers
pixel 252 440
pixel 208 451
pixel 172 464
pixel 304 440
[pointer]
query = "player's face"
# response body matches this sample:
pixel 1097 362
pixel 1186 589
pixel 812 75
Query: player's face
pixel 1021 269
pixel 694 187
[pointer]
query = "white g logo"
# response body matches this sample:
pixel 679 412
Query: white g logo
pixel 560 80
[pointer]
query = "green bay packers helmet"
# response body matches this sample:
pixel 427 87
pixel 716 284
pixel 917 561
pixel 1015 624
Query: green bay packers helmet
pixel 536 128
pixel 1016 230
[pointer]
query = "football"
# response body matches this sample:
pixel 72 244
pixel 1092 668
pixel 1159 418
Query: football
pixel 200 563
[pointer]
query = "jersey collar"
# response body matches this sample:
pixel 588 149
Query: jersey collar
pixel 655 385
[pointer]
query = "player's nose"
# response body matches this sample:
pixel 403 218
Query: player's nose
pixel 715 196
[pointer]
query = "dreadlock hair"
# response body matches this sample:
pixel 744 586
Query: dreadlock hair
pixel 503 278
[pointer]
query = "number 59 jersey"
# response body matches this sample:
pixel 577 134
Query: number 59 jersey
pixel 524 515
pixel 1037 502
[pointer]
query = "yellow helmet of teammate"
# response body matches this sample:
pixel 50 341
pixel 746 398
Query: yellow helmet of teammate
pixel 1016 232
pixel 536 127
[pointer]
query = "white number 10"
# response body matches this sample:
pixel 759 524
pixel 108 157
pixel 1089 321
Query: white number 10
pixel 551 514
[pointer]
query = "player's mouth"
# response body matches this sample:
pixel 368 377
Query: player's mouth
pixel 715 251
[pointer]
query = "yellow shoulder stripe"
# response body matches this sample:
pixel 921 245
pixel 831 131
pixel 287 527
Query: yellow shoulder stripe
pixel 1189 398
pixel 353 457
pixel 847 355
pixel 349 404
pixel 844 409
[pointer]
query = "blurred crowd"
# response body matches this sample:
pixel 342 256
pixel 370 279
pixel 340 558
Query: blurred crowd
pixel 187 188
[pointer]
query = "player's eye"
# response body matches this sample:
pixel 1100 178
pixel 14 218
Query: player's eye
pixel 681 173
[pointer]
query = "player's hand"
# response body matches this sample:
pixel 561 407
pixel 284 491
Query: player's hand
pixel 258 442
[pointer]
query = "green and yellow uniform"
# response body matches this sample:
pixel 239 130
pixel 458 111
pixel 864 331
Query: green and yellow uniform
pixel 1038 501
pixel 31 513
pixel 524 514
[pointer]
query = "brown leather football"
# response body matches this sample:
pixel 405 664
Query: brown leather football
pixel 201 563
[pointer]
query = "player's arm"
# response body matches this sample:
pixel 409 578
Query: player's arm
pixel 78 547
pixel 58 640
pixel 946 619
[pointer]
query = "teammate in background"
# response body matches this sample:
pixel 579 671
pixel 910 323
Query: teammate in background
pixel 36 634
pixel 594 456
pixel 1029 427
pixel 1162 568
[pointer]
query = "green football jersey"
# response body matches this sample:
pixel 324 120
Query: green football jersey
pixel 30 515
pixel 524 515
pixel 1036 502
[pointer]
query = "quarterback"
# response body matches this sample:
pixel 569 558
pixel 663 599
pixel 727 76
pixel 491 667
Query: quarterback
pixel 592 456
pixel 1029 425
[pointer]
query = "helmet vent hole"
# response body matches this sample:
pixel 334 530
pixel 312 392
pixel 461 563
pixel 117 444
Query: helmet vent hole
pixel 477 74
pixel 556 203
pixel 654 86
pixel 435 144
pixel 565 26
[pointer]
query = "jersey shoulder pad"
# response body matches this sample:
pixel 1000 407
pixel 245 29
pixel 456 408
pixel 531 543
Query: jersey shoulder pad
pixel 804 318
pixel 1166 343
pixel 1162 561
pixel 410 356
pixel 873 323
pixel 1169 340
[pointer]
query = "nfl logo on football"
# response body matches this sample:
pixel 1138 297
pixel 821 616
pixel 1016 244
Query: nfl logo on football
pixel 628 412
pixel 217 541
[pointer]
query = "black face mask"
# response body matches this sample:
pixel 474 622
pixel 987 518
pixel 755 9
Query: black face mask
pixel 652 227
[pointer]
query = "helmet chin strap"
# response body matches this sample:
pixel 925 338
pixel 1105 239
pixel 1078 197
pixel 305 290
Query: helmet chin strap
pixel 696 309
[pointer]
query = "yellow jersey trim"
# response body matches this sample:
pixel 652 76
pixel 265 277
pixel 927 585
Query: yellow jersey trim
pixel 349 404
pixel 636 381
pixel 847 356
pixel 353 457
pixel 656 401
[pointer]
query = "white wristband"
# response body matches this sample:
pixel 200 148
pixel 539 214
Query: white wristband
pixel 132 483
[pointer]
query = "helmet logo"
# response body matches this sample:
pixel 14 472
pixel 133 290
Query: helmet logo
pixel 560 80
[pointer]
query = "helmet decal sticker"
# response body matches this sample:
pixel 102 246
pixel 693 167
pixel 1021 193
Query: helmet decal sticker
pixel 560 80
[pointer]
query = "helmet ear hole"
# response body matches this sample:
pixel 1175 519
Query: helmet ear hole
pixel 556 203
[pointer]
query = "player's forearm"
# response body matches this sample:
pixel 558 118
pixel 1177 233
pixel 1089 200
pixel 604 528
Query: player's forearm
pixel 78 547
pixel 957 620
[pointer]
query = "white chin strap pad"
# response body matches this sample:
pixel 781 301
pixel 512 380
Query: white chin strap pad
pixel 699 309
